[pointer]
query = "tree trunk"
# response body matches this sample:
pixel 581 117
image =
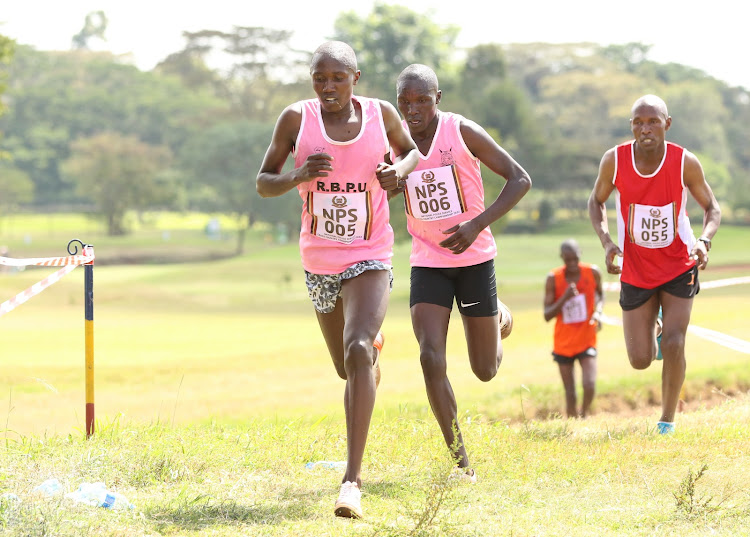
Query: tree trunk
pixel 242 232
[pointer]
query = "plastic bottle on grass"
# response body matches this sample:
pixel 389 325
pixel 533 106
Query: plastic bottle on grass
pixel 50 487
pixel 330 465
pixel 97 495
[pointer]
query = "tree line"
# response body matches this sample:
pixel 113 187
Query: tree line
pixel 88 131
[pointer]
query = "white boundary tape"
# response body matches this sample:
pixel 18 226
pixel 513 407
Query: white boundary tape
pixel 69 263
pixel 74 260
pixel 724 340
pixel 712 284
pixel 719 338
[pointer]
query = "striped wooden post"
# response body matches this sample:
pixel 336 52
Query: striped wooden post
pixel 89 322
pixel 88 304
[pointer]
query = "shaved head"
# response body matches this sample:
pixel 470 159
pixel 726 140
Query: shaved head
pixel 339 51
pixel 417 71
pixel 570 245
pixel 651 101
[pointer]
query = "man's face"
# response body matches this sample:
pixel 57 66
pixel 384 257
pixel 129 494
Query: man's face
pixel 333 83
pixel 417 103
pixel 570 257
pixel 649 126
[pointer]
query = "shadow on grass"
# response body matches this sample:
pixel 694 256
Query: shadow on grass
pixel 208 512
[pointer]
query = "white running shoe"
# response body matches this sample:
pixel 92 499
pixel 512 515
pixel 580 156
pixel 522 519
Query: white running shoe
pixel 505 319
pixel 349 504
pixel 464 475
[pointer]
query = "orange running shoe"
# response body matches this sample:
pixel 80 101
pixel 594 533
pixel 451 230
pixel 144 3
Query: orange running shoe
pixel 378 344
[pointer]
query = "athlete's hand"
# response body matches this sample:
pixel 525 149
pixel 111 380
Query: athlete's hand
pixel 316 165
pixel 570 292
pixel 389 178
pixel 461 237
pixel 611 253
pixel 700 255
pixel 596 318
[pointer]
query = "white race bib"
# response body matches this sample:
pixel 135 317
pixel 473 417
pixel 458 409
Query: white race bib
pixel 340 217
pixel 574 310
pixel 434 194
pixel 651 227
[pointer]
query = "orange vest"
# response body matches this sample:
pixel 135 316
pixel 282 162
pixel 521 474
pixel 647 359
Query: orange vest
pixel 574 338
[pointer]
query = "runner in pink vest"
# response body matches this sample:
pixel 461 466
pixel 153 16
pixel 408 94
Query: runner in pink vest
pixel 339 143
pixel 453 250
pixel 660 256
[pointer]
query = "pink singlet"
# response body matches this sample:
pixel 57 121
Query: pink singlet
pixel 653 229
pixel 345 216
pixel 445 189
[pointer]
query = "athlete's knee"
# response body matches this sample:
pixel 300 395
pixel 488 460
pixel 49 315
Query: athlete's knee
pixel 433 363
pixel 485 371
pixel 357 354
pixel 641 359
pixel 673 344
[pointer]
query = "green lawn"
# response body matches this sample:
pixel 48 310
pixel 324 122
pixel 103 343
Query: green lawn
pixel 214 387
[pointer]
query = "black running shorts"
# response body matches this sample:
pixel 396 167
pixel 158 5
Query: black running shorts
pixel 685 285
pixel 474 288
pixel 567 360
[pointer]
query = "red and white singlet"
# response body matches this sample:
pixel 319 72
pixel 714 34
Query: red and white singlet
pixel 653 228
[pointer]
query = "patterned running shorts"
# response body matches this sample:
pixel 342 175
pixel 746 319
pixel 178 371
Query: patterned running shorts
pixel 325 289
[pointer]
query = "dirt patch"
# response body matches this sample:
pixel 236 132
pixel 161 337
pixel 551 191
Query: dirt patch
pixel 693 397
pixel 696 395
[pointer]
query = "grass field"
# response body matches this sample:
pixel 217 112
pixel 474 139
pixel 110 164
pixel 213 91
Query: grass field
pixel 212 380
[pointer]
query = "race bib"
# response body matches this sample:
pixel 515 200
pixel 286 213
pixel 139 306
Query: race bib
pixel 342 218
pixel 574 310
pixel 651 227
pixel 434 194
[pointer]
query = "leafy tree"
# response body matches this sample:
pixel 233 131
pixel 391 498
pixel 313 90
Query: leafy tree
pixel 94 26
pixel 118 173
pixel 259 73
pixel 699 118
pixel 221 165
pixel 15 189
pixel 7 48
pixel 484 64
pixel 57 97
pixel 626 57
pixel 389 39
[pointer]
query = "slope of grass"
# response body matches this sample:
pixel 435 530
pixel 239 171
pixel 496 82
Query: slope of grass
pixel 608 475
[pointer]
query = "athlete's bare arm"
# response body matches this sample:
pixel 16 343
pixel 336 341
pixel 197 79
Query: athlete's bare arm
pixel 518 183
pixel 695 181
pixel 392 176
pixel 271 182
pixel 603 187
pixel 553 307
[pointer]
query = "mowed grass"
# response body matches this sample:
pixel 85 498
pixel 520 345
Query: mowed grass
pixel 237 338
pixel 214 387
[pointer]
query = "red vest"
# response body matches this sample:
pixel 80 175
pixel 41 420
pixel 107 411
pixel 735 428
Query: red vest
pixel 574 338
pixel 653 229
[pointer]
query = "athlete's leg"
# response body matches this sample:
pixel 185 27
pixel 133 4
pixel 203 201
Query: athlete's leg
pixel 569 384
pixel 430 323
pixel 676 317
pixel 349 332
pixel 638 326
pixel 588 379
pixel 476 293
pixel 332 327
pixel 484 345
